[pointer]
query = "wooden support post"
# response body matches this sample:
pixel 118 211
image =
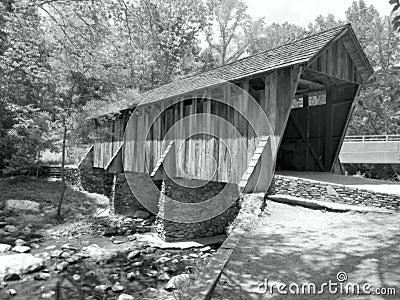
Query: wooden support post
pixel 329 111
pixel 306 104
pixel 306 100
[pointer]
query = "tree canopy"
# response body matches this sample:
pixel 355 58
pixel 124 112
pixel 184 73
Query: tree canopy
pixel 61 61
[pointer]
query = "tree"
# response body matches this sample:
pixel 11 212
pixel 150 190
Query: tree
pixel 322 23
pixel 377 111
pixel 24 74
pixel 231 30
pixel 275 35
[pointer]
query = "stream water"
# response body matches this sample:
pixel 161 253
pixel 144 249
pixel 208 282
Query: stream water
pixel 150 276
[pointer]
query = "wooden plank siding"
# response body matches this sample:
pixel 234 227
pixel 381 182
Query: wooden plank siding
pixel 110 141
pixel 203 156
pixel 336 61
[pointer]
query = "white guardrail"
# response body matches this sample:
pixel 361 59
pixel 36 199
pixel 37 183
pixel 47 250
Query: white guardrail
pixel 372 138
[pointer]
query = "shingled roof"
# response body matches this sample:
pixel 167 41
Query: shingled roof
pixel 299 51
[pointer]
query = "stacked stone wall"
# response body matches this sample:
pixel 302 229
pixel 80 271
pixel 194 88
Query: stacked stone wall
pixel 316 190
pixel 183 191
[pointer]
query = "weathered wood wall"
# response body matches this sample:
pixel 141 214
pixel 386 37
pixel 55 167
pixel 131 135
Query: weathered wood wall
pixel 202 154
pixel 336 61
pixel 112 136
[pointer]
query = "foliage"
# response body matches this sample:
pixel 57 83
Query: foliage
pixel 377 111
pixel 322 23
pixel 231 31
pixel 63 63
pixel 277 34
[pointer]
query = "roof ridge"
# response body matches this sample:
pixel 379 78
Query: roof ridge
pixel 267 50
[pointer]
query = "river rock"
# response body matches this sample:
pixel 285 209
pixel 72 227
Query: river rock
pixel 76 277
pixel 110 231
pixel 10 228
pixel 19 264
pixel 102 288
pixel 48 295
pixel 20 242
pixel 133 254
pixel 177 281
pixel 131 276
pixel 12 276
pixel 205 249
pixel 42 276
pixel 25 205
pixel 4 248
pixel 26 231
pixel 137 264
pixel 66 254
pixel 11 292
pixel 117 287
pixel 73 259
pixel 164 277
pixel 55 253
pixel 125 297
pixel 11 220
pixel 95 252
pixel 21 249
pixel 61 266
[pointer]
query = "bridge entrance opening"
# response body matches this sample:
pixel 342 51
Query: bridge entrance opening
pixel 317 123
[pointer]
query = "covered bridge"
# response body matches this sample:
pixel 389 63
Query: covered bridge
pixel 287 107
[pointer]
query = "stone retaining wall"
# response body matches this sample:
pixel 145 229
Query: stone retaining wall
pixel 125 202
pixel 316 190
pixel 195 191
pixel 96 180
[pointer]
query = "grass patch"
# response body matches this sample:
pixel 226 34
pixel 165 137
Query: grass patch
pixel 77 209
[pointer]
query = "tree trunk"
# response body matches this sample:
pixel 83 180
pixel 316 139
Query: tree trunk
pixel 62 195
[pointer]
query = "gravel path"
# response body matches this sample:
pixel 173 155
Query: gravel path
pixel 300 245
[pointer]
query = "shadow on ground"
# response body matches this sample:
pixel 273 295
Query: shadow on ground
pixel 298 245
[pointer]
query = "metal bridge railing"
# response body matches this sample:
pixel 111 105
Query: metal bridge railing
pixel 372 138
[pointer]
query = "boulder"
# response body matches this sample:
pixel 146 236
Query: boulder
pixel 19 264
pixel 25 205
pixel 177 281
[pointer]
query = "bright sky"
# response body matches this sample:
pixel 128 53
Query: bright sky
pixel 302 12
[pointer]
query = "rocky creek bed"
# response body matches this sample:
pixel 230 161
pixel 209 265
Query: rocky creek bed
pixel 119 259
